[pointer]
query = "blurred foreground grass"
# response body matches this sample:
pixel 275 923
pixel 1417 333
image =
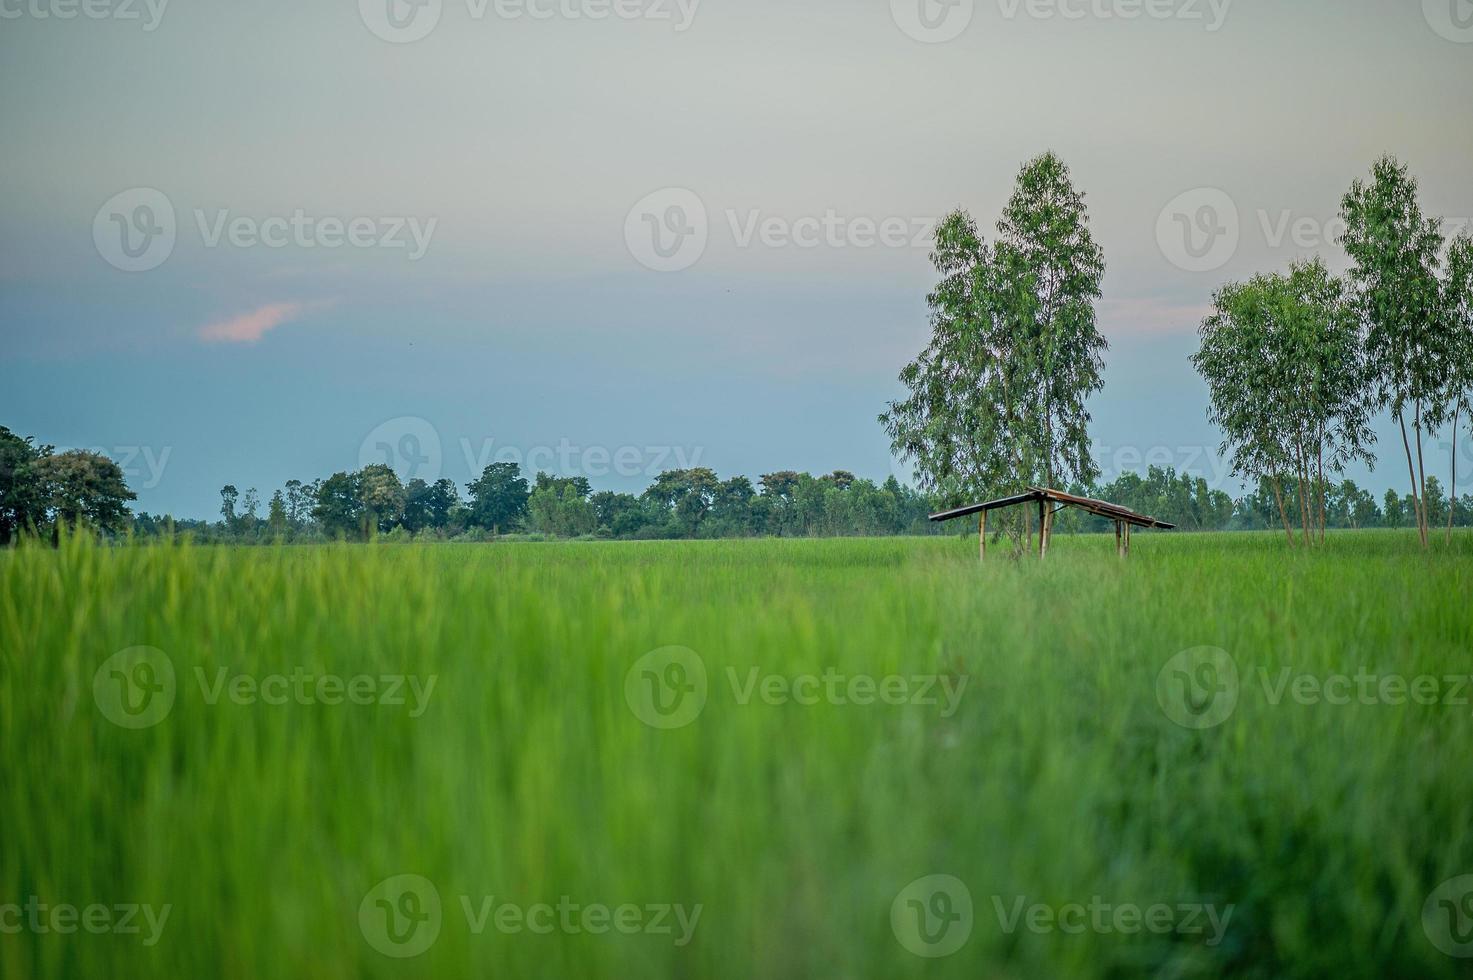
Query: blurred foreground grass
pixel 778 822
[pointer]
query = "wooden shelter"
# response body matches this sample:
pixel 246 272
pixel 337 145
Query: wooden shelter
pixel 1124 517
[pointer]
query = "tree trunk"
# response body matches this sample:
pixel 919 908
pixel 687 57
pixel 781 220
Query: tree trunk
pixel 1299 492
pixel 1411 471
pixel 1452 493
pixel 1319 478
pixel 1422 478
pixel 1283 511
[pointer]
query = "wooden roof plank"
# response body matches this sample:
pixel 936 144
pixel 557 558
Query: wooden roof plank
pixel 970 509
pixel 1100 508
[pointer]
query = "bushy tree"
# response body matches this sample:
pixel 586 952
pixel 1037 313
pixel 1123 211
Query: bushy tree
pixel 85 489
pixel 339 508
pixel 1287 384
pixel 621 515
pixel 557 507
pixel 686 496
pixel 381 497
pixel 498 498
pixel 1394 511
pixel 23 498
pixel 428 506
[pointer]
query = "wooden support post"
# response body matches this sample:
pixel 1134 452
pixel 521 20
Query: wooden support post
pixel 982 536
pixel 1119 539
pixel 1127 538
pixel 1042 527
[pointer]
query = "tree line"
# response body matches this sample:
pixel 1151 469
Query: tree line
pixel 41 491
pixel 685 503
pixel 1188 501
pixel 696 503
pixel 1297 363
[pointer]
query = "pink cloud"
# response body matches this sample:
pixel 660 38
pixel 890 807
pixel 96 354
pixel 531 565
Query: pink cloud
pixel 251 327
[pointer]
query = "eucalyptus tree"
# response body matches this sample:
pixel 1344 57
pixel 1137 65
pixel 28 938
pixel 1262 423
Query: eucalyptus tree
pixel 1051 269
pixel 997 398
pixel 1240 358
pixel 1458 302
pixel 1286 380
pixel 1400 299
pixel 962 423
pixel 1330 400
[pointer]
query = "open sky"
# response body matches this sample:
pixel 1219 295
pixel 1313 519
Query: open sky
pixel 246 242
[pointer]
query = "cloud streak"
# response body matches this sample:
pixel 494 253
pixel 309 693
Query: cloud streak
pixel 248 328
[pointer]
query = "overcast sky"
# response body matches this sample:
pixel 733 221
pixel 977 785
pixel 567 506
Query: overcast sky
pixel 246 242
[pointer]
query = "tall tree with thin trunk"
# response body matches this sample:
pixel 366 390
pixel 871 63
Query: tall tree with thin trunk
pixel 1394 251
pixel 1458 301
pixel 1052 270
pixel 997 398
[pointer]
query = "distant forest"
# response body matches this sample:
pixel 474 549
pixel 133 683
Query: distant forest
pixel 696 503
pixel 42 490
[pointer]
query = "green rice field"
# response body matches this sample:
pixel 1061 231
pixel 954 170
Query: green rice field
pixel 771 758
